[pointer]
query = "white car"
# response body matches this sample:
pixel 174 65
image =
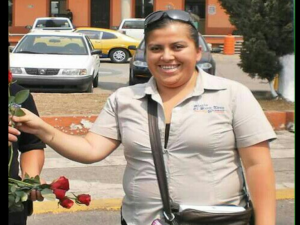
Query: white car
pixel 56 62
pixel 132 27
pixel 51 23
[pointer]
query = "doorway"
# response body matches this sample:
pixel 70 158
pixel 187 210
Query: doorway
pixel 197 10
pixel 100 13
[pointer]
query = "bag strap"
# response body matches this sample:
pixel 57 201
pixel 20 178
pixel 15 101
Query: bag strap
pixel 159 160
pixel 160 166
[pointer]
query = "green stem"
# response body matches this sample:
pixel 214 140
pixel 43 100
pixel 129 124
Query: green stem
pixel 11 144
pixel 19 182
pixel 10 158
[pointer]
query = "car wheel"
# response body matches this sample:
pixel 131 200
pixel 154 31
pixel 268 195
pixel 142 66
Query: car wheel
pixel 131 78
pixel 119 56
pixel 90 88
pixel 95 81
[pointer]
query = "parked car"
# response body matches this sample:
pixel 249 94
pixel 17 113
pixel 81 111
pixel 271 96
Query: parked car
pixel 51 23
pixel 133 27
pixel 139 72
pixel 56 61
pixel 113 44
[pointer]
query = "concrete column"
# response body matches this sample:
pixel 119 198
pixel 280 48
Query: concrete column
pixel 126 9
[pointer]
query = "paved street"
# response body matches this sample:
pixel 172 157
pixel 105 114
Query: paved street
pixel 103 180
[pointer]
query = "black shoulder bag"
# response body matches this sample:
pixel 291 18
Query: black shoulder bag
pixel 170 209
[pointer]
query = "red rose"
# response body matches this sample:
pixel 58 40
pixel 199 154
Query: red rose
pixel 60 183
pixel 84 199
pixel 66 202
pixel 9 77
pixel 59 193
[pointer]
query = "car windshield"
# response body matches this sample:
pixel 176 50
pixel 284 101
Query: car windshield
pixel 133 25
pixel 57 23
pixel 201 42
pixel 51 44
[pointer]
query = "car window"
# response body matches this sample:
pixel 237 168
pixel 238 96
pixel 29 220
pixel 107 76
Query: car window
pixel 90 44
pixel 92 34
pixel 50 44
pixel 107 35
pixel 142 44
pixel 133 25
pixel 52 23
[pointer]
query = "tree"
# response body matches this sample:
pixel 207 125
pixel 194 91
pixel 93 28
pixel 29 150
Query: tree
pixel 267 29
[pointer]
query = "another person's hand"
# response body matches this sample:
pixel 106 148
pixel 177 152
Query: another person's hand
pixel 36 195
pixel 12 135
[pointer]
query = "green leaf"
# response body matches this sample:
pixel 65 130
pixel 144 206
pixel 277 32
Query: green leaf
pixel 11 99
pixel 27 176
pixel 11 200
pixel 48 194
pixel 21 96
pixel 13 188
pixel 17 199
pixel 37 179
pixel 19 112
pixel 46 191
pixel 24 197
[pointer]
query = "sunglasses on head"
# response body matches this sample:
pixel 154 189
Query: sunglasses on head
pixel 172 14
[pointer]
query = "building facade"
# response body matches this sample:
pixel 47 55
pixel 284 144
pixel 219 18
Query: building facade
pixel 210 16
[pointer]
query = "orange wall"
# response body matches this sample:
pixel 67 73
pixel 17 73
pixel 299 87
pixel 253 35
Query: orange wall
pixel 81 12
pixel 162 4
pixel 219 22
pixel 26 11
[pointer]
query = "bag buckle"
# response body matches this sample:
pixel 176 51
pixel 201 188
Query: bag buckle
pixel 167 217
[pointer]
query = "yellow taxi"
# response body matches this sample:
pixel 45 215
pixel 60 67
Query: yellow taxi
pixel 114 45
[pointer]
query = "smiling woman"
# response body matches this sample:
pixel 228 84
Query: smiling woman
pixel 56 62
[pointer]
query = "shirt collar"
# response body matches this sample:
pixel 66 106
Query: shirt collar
pixel 204 82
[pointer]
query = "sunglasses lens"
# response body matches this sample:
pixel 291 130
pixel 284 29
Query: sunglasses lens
pixel 153 17
pixel 172 14
pixel 178 15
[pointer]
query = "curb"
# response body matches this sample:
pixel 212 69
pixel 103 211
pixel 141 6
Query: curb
pixel 115 204
pixel 79 125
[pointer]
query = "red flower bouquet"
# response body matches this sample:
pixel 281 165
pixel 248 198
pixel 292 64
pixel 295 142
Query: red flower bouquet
pixel 18 191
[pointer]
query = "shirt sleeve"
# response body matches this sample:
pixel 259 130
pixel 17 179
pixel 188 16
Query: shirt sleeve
pixel 107 124
pixel 27 141
pixel 250 124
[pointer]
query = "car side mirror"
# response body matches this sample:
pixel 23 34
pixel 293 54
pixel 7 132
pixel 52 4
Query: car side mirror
pixel 28 27
pixel 97 52
pixel 11 48
pixel 216 50
pixel 132 47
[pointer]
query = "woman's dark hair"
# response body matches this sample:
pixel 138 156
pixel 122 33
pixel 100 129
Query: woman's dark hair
pixel 164 23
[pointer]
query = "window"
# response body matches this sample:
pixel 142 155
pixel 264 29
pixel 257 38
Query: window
pixel 58 8
pixel 143 8
pixel 108 36
pixel 90 33
pixel 133 25
pixel 10 6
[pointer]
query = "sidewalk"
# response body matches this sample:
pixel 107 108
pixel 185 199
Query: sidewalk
pixel 103 180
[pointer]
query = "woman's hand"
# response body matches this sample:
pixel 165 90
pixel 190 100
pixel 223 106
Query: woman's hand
pixel 29 123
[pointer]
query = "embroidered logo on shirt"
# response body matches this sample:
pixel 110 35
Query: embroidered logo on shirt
pixel 205 108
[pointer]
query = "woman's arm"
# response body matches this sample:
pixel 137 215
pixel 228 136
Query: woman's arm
pixel 88 149
pixel 261 181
